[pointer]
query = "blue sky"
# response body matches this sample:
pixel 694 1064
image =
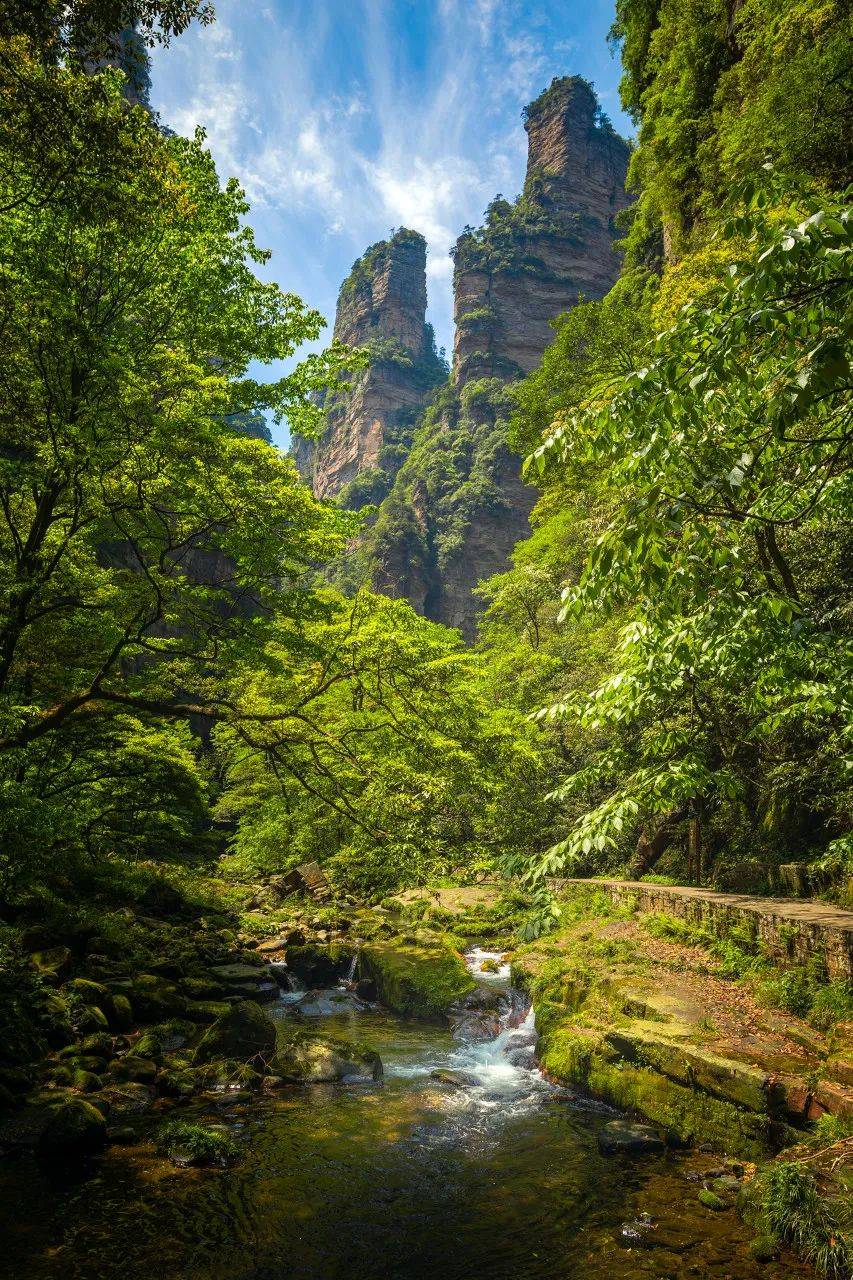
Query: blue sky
pixel 345 118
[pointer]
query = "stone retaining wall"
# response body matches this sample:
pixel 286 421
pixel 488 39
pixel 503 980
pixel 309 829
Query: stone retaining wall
pixel 791 930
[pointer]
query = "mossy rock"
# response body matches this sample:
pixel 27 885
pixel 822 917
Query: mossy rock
pixel 310 1060
pixel 178 1084
pixel 85 1062
pixel 196 1144
pixel 243 1032
pixel 85 1081
pixel 138 1069
pixel 319 966
pixel 155 999
pixel 581 1056
pixel 119 1012
pixel 149 1045
pixel 89 992
pixel 205 1010
pixel 91 1018
pixel 416 981
pixel 52 963
pixel 74 1133
pixel 99 1044
pixel 691 1065
pixel 200 988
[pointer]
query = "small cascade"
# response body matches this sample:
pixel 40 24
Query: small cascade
pixel 505 1065
pixel 293 988
pixel 351 972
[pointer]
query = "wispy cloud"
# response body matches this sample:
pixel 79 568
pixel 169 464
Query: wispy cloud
pixel 346 118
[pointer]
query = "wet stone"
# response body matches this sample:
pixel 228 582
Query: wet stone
pixel 456 1079
pixel 621 1137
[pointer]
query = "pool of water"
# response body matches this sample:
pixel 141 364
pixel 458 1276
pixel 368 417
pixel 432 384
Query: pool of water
pixel 409 1177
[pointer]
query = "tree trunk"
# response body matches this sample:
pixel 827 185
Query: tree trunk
pixel 650 848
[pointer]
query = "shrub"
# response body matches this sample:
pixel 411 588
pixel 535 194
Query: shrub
pixel 817 1227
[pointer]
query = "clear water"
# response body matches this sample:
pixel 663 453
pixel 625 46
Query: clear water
pixel 405 1179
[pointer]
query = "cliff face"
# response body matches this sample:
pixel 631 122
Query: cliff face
pixel 532 259
pixel 381 306
pixel 459 504
pixel 453 504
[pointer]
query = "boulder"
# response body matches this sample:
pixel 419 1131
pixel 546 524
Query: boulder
pixel 458 1079
pixel 75 1132
pixel 85 1081
pixel 154 998
pixel 52 963
pixel 161 899
pixel 273 944
pixel 794 879
pixel 119 1012
pixel 315 1061
pixel 307 878
pixel 244 1032
pixel 231 974
pixel 623 1137
pixel 90 992
pixel 139 1070
pixel 177 1083
pixel 747 875
pixel 99 1044
pixel 201 988
pixel 417 981
pixel 205 1010
pixel 91 1018
pixel 365 989
pixel 319 966
pixel 128 1098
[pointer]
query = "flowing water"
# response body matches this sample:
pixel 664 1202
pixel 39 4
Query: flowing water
pixel 495 1177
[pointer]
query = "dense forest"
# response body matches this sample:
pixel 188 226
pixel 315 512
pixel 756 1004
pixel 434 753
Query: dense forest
pixel 202 690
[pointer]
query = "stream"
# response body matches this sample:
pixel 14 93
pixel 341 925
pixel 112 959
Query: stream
pixel 494 1176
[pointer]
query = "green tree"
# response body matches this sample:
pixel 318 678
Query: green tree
pixel 143 542
pixel 716 88
pixel 383 755
pixel 730 451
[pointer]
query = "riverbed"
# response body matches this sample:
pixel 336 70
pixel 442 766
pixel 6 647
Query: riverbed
pixel 488 1174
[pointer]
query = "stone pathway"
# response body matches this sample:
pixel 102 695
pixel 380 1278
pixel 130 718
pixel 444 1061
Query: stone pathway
pixel 793 930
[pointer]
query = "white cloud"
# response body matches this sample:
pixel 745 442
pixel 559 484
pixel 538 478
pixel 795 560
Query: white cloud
pixel 334 131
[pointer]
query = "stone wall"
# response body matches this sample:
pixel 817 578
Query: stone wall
pixel 793 932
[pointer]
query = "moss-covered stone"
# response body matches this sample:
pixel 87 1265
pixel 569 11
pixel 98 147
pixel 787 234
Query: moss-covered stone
pixel 692 1065
pixel 119 1012
pixel 310 1060
pixel 243 1032
pixel 581 1057
pixel 196 1144
pixel 205 1010
pixel 416 981
pixel 155 999
pixel 52 963
pixel 75 1132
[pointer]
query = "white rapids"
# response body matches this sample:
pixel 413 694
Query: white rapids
pixel 504 1067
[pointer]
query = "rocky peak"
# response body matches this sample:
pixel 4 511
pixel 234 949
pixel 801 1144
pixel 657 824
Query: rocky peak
pixel 532 259
pixel 381 307
pixel 460 505
pixel 384 296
